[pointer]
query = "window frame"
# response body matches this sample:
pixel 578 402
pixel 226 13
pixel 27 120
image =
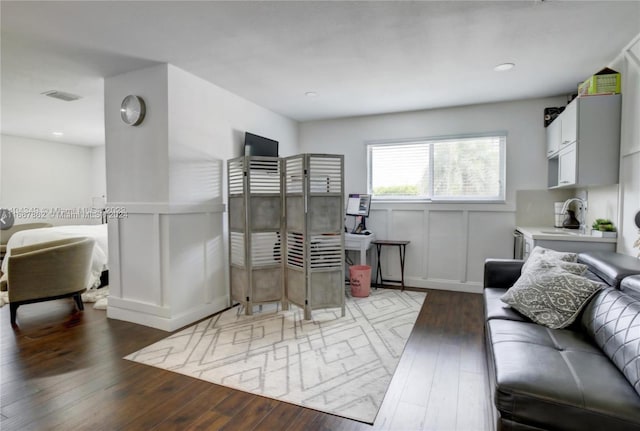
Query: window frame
pixel 500 198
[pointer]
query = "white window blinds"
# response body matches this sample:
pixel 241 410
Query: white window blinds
pixel 464 169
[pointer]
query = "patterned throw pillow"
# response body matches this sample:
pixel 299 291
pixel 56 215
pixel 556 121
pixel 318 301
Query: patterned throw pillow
pixel 552 297
pixel 538 252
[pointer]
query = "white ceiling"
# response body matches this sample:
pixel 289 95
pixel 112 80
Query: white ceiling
pixel 360 57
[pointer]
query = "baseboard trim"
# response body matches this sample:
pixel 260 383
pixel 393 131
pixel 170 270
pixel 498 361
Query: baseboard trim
pixel 452 285
pixel 132 312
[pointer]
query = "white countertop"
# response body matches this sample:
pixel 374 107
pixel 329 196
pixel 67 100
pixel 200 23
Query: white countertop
pixel 559 234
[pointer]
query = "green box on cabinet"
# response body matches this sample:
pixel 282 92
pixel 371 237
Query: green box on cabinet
pixel 605 81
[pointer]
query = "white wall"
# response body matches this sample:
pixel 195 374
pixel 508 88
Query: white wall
pixel 602 202
pixel 629 65
pixel 99 171
pixel 47 175
pixel 449 242
pixel 208 123
pixel 168 256
pixel 136 157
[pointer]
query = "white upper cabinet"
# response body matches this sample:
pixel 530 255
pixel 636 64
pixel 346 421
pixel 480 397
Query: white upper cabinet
pixel 569 124
pixel 589 145
pixel 553 138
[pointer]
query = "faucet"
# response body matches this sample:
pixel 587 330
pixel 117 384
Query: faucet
pixel 583 212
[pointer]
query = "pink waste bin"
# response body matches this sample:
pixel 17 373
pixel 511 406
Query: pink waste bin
pixel 360 279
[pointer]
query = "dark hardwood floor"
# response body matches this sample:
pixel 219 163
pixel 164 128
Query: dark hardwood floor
pixel 64 370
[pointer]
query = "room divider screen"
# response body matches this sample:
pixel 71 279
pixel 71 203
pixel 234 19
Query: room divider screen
pixel 314 231
pixel 309 226
pixel 255 226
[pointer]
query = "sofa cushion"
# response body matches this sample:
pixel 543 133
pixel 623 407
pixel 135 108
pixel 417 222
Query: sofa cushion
pixel 494 308
pixel 631 286
pixel 501 272
pixel 550 296
pixel 610 266
pixel 557 379
pixel 612 319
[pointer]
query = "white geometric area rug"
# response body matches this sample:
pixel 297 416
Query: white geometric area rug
pixel 338 365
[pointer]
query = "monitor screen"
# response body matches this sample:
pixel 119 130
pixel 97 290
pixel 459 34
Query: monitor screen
pixel 358 205
pixel 255 145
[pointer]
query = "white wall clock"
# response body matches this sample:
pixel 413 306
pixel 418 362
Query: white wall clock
pixel 132 110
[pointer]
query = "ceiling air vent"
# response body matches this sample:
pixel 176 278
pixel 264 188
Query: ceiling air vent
pixel 67 97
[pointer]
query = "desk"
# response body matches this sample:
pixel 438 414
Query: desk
pixel 359 243
pixel 402 247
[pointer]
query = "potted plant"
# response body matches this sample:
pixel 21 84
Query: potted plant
pixel 603 228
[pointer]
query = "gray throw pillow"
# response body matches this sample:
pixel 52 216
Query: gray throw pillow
pixel 542 262
pixel 551 297
pixel 538 252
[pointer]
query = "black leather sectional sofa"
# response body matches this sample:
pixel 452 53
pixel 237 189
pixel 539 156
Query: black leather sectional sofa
pixel 584 377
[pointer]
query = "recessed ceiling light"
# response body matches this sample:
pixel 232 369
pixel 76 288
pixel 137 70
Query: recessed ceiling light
pixel 504 66
pixel 311 94
pixel 57 133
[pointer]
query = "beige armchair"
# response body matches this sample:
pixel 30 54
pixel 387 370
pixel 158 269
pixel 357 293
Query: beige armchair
pixel 49 270
pixel 6 233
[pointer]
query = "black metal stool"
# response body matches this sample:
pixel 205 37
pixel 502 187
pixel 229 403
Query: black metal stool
pixel 402 247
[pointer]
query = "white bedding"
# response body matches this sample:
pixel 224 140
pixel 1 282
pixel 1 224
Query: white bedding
pixel 34 236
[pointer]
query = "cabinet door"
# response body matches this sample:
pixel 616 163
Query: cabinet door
pixel 569 129
pixel 553 137
pixel 567 166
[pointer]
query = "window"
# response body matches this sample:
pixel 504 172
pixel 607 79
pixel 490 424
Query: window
pixel 469 168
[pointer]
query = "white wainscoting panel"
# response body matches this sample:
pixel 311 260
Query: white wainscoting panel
pixel 167 268
pixel 446 233
pixel 139 258
pixel 194 243
pixel 490 236
pixel 448 246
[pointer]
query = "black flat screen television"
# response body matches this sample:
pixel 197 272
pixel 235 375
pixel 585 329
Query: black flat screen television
pixel 255 145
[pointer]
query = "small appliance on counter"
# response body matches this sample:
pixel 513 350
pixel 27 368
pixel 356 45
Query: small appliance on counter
pixel 558 216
